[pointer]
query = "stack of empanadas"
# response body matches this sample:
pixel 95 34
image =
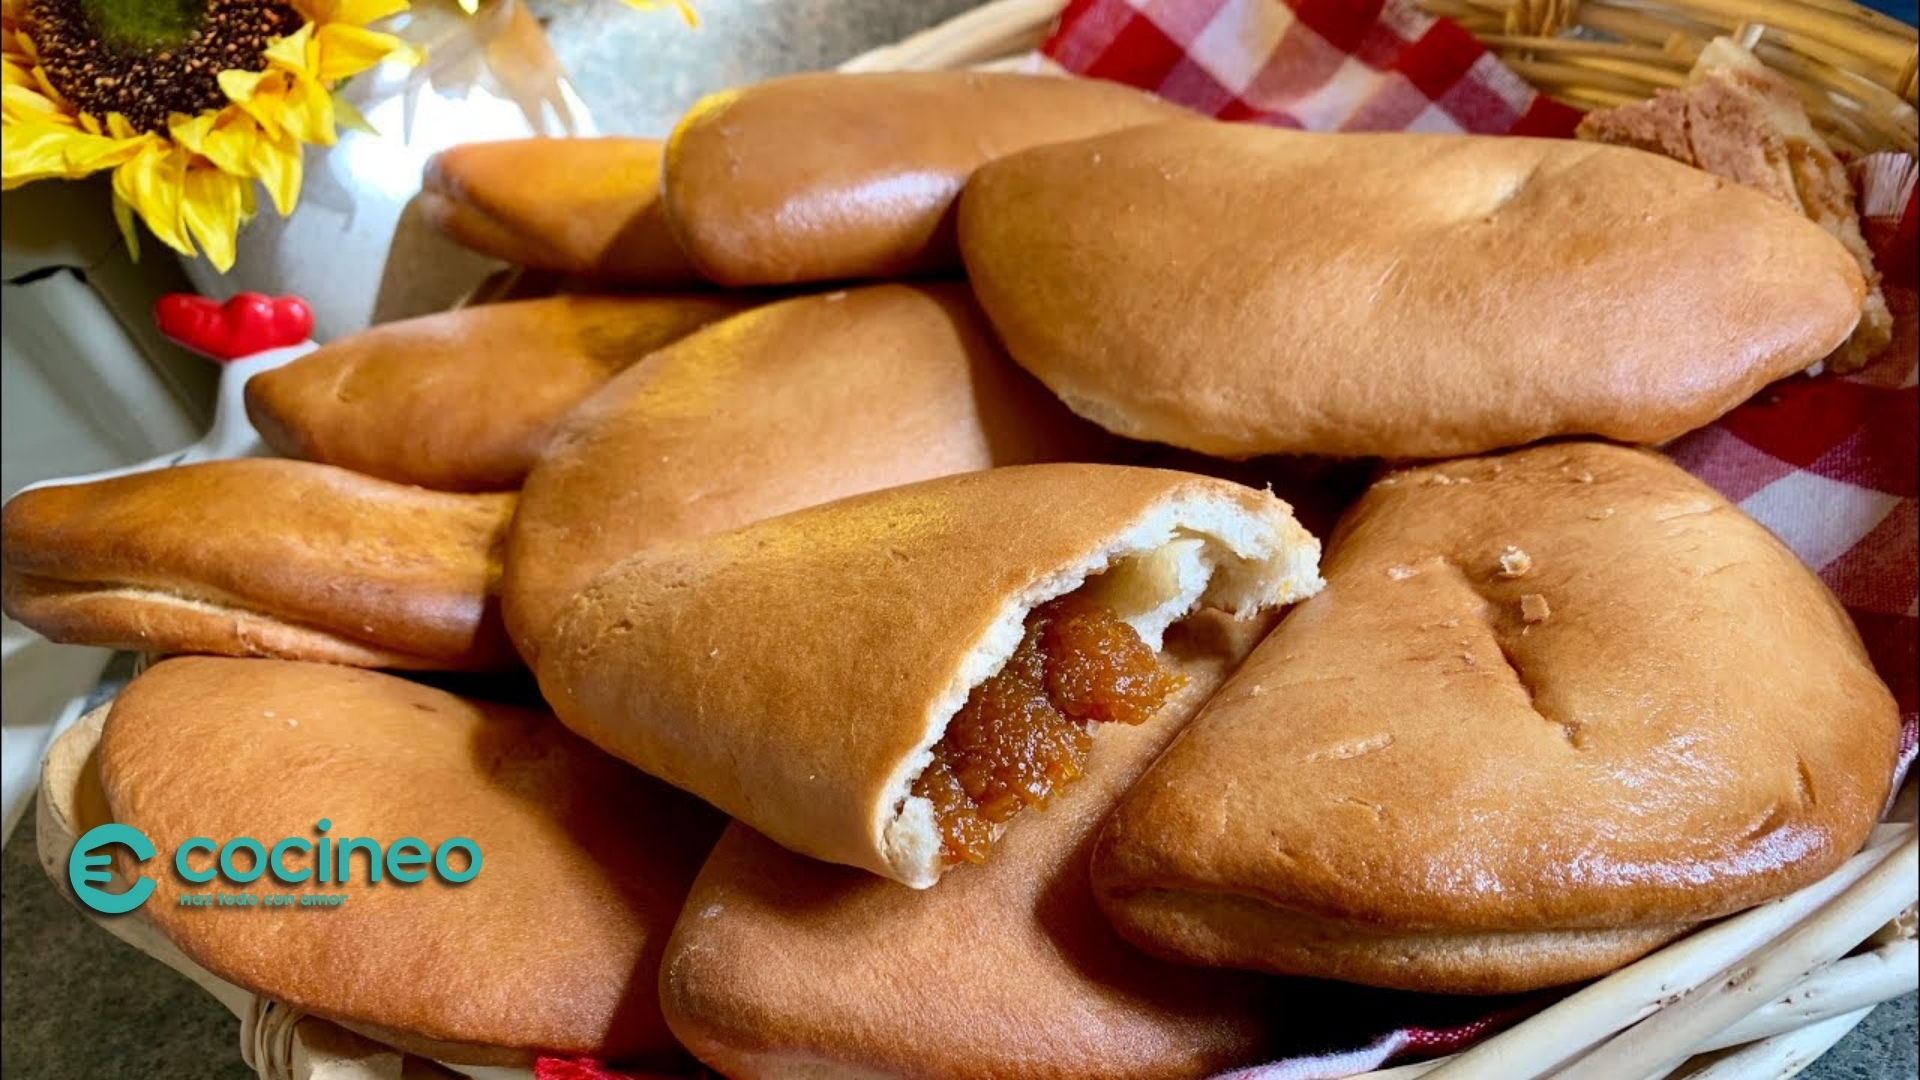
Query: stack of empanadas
pixel 1019 782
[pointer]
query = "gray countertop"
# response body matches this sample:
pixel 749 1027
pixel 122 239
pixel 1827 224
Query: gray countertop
pixel 637 75
pixel 79 1004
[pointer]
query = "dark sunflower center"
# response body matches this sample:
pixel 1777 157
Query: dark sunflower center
pixel 145 59
pixel 145 23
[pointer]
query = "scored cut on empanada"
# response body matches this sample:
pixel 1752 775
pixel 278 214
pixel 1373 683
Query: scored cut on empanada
pixel 886 680
pixel 1553 709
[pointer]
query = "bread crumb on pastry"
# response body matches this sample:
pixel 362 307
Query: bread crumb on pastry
pixel 1514 562
pixel 1534 608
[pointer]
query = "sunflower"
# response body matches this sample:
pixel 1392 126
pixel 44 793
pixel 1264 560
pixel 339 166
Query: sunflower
pixel 190 103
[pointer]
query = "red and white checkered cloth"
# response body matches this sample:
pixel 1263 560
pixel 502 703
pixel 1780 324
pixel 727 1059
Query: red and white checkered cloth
pixel 1319 65
pixel 1831 465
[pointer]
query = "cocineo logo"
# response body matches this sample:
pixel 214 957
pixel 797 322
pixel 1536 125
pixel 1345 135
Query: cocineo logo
pixel 87 866
pixel 406 859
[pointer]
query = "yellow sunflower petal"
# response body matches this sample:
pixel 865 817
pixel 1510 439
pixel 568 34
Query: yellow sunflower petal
pixel 152 184
pixel 34 154
pixel 307 112
pixel 123 217
pixel 346 51
pixel 348 115
pixel 191 131
pixel 21 104
pixel 260 94
pixel 234 143
pixel 295 52
pixel 278 164
pixel 241 86
pixel 211 205
pixel 223 137
pixel 34 151
pixel 45 86
pixel 407 54
pixel 686 9
pixel 28 49
pixel 12 74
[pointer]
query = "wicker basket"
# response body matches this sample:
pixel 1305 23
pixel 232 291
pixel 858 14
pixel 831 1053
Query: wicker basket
pixel 1759 995
pixel 1705 1006
pixel 1854 67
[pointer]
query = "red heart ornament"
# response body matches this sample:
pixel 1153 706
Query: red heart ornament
pixel 247 324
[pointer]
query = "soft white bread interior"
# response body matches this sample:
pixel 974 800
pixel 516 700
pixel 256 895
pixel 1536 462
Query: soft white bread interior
pixel 1191 551
pixel 799 672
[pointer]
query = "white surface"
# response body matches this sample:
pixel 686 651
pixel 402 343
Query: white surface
pixel 77 390
pixel 76 393
pixel 354 248
pixel 69 226
pixel 232 434
pixel 43 692
pixel 46 685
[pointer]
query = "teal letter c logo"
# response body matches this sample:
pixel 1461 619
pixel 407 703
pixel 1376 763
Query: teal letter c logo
pixel 185 870
pixel 87 866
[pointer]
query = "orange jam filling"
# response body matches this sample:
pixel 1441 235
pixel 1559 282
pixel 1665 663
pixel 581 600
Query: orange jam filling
pixel 1026 731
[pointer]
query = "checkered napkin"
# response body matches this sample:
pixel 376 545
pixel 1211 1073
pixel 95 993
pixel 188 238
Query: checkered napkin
pixel 1319 65
pixel 1831 465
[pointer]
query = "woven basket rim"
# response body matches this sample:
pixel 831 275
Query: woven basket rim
pixel 1854 67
